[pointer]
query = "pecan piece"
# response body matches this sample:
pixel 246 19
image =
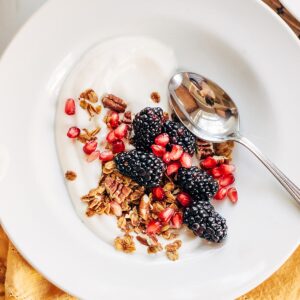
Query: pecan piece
pixel 127 118
pixel 204 149
pixel 114 103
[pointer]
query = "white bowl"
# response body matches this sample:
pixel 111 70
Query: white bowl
pixel 244 47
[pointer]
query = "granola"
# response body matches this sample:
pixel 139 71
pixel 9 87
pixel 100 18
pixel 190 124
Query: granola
pixel 125 244
pixel 71 175
pixel 151 215
pixel 155 97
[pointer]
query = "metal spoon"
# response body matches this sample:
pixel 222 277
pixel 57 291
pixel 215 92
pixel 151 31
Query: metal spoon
pixel 210 114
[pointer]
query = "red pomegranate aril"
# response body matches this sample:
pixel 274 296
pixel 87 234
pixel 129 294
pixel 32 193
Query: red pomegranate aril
pixel 227 169
pixel 93 156
pixel 166 215
pixel 166 157
pixel 111 137
pixel 162 140
pixel 70 107
pixel 106 155
pixel 176 152
pixel 158 193
pixel 226 180
pixel 73 132
pixel 157 150
pixel 216 172
pixel 232 194
pixel 221 193
pixel 89 147
pixel 208 163
pixel 114 119
pixel 121 131
pixel 173 168
pixel 118 146
pixel 186 160
pixel 184 199
pixel 153 227
pixel 177 220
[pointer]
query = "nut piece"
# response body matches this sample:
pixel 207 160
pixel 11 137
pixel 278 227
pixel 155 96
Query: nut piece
pixel 171 250
pixel 114 103
pixel 144 207
pixel 127 118
pixel 89 95
pixel 224 149
pixel 204 149
pixel 125 244
pixel 155 97
pixel 87 135
pixel 70 175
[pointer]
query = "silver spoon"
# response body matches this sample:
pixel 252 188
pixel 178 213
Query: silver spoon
pixel 210 114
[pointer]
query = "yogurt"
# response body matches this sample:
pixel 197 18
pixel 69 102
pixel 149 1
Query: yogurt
pixel 128 67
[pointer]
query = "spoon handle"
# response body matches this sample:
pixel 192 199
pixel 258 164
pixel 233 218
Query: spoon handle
pixel 283 179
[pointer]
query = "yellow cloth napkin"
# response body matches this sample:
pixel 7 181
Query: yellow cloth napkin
pixel 19 281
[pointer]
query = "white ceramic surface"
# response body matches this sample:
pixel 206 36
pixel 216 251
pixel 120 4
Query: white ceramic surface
pixel 35 208
pixel 13 14
pixel 293 6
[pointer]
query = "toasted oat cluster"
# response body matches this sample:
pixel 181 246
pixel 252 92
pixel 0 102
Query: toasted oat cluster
pixel 150 190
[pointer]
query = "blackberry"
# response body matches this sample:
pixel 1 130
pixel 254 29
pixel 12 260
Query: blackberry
pixel 205 222
pixel 147 124
pixel 179 135
pixel 198 183
pixel 144 168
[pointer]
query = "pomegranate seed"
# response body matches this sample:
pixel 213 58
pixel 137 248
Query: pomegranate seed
pixel 121 131
pixel 70 107
pixel 208 163
pixel 158 193
pixel 162 140
pixel 232 194
pixel 166 157
pixel 73 132
pixel 158 150
pixel 177 220
pixel 221 193
pixel 226 180
pixel 227 169
pixel 176 152
pixel 166 215
pixel 118 146
pixel 216 172
pixel 184 199
pixel 89 147
pixel 186 160
pixel 106 155
pixel 153 227
pixel 114 119
pixel 93 156
pixel 173 168
pixel 116 208
pixel 111 137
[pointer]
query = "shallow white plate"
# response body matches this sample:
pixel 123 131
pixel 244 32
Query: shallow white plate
pixel 236 43
pixel 293 6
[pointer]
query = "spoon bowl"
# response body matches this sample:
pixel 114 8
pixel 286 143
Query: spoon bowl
pixel 210 114
pixel 203 107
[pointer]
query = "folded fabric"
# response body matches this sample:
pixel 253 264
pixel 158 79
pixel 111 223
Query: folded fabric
pixel 18 280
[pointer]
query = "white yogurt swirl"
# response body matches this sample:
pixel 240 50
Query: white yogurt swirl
pixel 129 67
